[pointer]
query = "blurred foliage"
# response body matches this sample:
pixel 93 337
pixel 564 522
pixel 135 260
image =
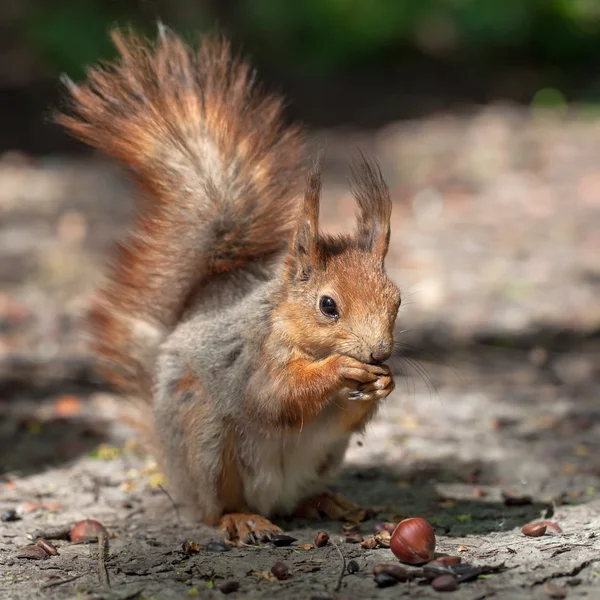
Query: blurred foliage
pixel 326 36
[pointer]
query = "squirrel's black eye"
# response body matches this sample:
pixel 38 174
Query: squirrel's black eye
pixel 328 307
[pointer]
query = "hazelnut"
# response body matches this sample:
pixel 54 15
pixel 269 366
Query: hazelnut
pixel 321 539
pixel 413 541
pixel 87 530
pixel 444 583
pixel 280 570
pixel 228 587
pixel 534 529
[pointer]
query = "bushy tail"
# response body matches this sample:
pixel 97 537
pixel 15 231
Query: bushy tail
pixel 216 171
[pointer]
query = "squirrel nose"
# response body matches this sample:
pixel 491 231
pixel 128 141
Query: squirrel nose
pixel 381 353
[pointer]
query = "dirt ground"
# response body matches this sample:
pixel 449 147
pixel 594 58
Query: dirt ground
pixel 496 247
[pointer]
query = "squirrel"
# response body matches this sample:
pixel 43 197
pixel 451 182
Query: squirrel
pixel 253 344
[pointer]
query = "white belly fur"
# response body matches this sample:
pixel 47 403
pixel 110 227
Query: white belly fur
pixel 286 471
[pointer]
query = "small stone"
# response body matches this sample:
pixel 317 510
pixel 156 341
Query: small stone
pixel 354 538
pixel 10 515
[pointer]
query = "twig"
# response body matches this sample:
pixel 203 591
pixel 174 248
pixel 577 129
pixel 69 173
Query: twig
pixel 102 571
pixel 57 533
pixel 172 502
pixel 56 583
pixel 338 585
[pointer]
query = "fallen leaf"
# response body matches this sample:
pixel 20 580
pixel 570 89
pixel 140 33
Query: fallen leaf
pixel 106 452
pixel 30 507
pixel 157 480
pixel 306 546
pixel 462 549
pixel 552 590
pixel 67 406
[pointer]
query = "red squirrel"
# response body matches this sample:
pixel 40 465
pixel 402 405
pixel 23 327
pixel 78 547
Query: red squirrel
pixel 253 344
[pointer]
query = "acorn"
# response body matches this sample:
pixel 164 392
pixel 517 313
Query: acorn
pixel 413 541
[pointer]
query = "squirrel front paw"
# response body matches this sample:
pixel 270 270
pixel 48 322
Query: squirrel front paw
pixel 353 370
pixel 379 389
pixel 365 381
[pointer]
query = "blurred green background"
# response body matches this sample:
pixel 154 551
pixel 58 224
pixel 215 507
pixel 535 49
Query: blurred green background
pixel 361 62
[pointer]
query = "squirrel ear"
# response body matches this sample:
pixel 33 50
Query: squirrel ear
pixel 373 197
pixel 304 245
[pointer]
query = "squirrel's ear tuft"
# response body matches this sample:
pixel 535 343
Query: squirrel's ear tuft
pixel 373 197
pixel 304 249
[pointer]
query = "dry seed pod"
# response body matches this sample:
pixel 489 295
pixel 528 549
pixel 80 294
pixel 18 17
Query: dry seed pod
pixel 47 547
pixel 413 541
pixel 32 553
pixel 444 583
pixel 383 580
pixel 383 538
pixel 534 530
pixel 444 561
pixel 321 539
pixel 350 528
pixel 369 543
pixel 384 527
pixel 392 570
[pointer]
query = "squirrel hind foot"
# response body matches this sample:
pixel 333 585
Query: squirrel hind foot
pixel 331 506
pixel 244 528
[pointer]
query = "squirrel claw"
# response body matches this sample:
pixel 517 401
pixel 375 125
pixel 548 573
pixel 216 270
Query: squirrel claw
pixel 355 395
pixel 243 528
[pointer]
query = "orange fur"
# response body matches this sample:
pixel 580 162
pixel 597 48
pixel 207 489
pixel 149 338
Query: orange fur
pixel 191 125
